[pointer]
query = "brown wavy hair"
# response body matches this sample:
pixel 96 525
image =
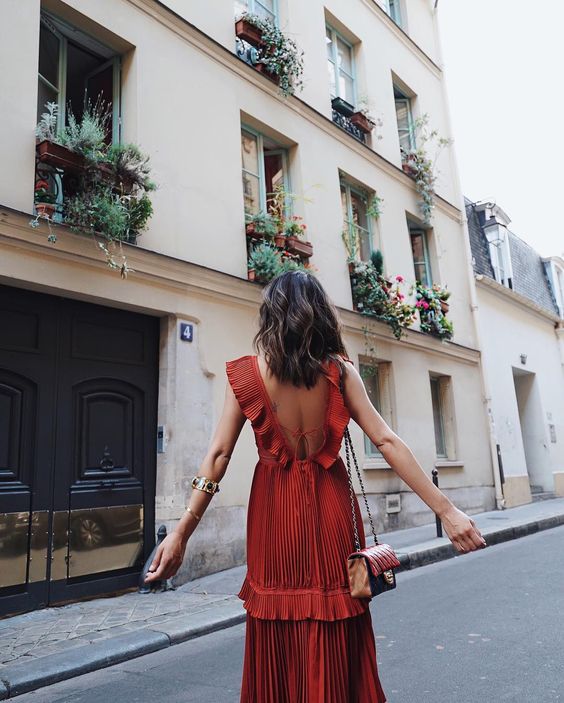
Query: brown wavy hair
pixel 299 328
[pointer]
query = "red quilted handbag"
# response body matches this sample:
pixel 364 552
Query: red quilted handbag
pixel 371 570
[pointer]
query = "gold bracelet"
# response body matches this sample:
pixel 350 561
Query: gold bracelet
pixel 198 517
pixel 205 484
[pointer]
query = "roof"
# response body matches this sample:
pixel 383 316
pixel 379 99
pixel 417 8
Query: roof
pixel 529 274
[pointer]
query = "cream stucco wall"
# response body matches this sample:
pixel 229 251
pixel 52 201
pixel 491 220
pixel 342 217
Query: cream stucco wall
pixel 509 328
pixel 184 97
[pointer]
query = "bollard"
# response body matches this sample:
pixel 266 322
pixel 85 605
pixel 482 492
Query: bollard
pixel 155 585
pixel 435 474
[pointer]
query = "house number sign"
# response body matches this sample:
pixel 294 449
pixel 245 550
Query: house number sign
pixel 186 332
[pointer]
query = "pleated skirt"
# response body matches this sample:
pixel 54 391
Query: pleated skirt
pixel 311 661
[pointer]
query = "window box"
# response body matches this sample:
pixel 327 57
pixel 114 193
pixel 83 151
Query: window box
pixel 280 240
pixel 45 210
pixel 342 107
pixel 59 156
pixel 261 68
pixel 297 246
pixel 249 32
pixel 360 120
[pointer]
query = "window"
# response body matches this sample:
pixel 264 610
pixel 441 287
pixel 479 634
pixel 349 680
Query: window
pixel 340 62
pixel 393 9
pixel 265 167
pixel 443 416
pixel 376 377
pixel 356 221
pixel 420 253
pixel 404 118
pixel 75 70
pixel 267 9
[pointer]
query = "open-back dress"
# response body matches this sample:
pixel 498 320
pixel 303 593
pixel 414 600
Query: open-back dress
pixel 307 640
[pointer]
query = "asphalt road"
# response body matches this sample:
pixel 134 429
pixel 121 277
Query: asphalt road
pixel 485 627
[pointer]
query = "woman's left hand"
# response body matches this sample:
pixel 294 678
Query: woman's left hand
pixel 168 558
pixel 462 530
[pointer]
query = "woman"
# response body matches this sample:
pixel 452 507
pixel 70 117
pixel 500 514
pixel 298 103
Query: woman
pixel 307 639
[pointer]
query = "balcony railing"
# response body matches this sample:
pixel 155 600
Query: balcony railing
pixel 344 123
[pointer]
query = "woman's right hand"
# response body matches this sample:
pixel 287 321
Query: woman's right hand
pixel 168 558
pixel 461 530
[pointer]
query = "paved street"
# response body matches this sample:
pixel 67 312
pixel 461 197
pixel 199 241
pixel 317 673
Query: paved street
pixel 480 628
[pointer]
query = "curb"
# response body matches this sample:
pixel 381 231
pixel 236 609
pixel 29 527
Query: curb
pixel 44 671
pixel 412 560
pixel 30 675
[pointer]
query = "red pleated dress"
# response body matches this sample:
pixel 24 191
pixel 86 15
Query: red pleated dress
pixel 307 640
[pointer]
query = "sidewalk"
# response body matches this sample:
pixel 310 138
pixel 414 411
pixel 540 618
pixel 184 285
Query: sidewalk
pixel 45 646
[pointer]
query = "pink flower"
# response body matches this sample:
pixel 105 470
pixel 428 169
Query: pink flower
pixel 401 296
pixel 399 278
pixel 425 305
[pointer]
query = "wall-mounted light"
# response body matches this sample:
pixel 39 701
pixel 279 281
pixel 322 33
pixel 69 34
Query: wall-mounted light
pixel 523 358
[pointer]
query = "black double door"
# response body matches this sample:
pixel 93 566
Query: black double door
pixel 78 399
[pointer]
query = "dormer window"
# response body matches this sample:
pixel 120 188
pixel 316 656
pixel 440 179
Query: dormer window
pixel 494 224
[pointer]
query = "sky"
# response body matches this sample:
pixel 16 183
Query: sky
pixel 503 65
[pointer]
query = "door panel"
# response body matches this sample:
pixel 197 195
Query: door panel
pixel 78 393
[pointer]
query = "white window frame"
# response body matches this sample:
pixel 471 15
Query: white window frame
pixel 419 231
pixel 61 89
pixel 383 405
pixel 394 11
pixel 250 6
pixel 334 61
pixel 406 101
pixel 349 219
pixel 259 138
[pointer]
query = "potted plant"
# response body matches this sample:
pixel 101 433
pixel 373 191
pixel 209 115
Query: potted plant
pixel 251 273
pixel 295 230
pixel 265 261
pixel 248 30
pixel 429 303
pixel 280 240
pixel 278 56
pixel 362 118
pixel 261 225
pixel 77 144
pixel 421 167
pixel 44 200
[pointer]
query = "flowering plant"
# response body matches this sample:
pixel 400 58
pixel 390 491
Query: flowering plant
pixel 428 303
pixel 377 295
pixel 295 227
pixel 279 54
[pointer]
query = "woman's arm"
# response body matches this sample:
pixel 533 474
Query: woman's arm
pixel 460 528
pixel 170 553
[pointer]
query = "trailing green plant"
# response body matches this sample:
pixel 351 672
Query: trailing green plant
pixel 279 54
pixel 428 303
pixel 423 166
pixel 378 296
pixel 99 212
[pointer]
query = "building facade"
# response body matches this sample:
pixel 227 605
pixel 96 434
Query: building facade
pixel 521 326
pixel 111 387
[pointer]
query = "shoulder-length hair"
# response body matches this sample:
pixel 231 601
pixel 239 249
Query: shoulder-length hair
pixel 299 328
